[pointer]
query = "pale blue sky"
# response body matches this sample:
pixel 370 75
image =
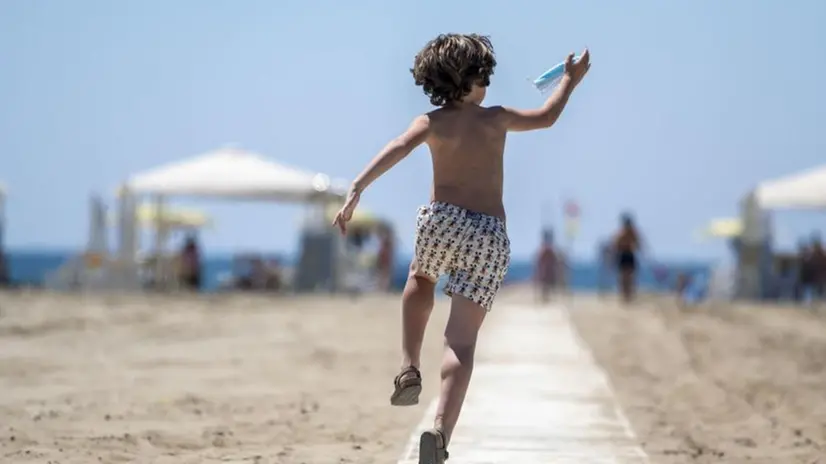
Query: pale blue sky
pixel 688 104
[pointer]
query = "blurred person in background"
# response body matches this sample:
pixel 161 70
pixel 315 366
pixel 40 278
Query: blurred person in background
pixel 806 272
pixel 818 264
pixel 190 271
pixel 605 261
pixel 546 267
pixel 627 245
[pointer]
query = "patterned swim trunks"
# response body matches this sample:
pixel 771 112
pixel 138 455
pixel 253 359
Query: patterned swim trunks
pixel 472 248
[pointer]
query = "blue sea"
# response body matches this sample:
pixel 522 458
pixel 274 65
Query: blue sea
pixel 29 268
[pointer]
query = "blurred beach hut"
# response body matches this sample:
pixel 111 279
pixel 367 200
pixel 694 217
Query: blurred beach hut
pixel 799 191
pixel 166 220
pixel 231 173
pixel 234 174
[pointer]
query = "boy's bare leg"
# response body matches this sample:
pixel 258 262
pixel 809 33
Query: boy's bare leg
pixel 417 304
pixel 462 329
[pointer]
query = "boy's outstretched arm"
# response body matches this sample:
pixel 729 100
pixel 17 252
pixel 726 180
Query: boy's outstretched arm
pixel 540 118
pixel 394 152
pixel 545 116
pixel 391 154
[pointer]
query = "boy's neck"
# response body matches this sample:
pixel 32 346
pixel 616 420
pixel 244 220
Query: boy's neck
pixel 460 104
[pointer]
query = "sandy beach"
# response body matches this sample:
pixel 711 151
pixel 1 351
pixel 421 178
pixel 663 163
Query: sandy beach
pixel 725 383
pixel 189 379
pixel 255 379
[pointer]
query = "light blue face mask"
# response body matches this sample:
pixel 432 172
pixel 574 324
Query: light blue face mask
pixel 550 78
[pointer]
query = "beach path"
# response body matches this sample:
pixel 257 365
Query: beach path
pixel 536 397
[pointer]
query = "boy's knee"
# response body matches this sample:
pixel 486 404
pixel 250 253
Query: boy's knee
pixel 422 280
pixel 464 350
pixel 418 285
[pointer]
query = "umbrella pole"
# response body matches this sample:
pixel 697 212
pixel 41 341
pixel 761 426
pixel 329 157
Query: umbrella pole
pixel 158 244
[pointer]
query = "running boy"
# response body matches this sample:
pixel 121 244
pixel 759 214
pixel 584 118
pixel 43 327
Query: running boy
pixel 462 231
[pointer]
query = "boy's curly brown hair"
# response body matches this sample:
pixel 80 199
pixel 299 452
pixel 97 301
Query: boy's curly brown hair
pixel 449 65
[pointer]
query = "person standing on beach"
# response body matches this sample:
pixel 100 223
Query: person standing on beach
pixel 462 231
pixel 805 274
pixel 605 261
pixel 818 263
pixel 190 272
pixel 545 272
pixel 627 245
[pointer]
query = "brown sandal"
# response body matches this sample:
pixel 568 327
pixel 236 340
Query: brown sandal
pixel 432 447
pixel 407 387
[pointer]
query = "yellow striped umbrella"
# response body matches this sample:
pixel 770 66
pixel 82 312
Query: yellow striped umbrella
pixel 361 216
pixel 722 228
pixel 147 216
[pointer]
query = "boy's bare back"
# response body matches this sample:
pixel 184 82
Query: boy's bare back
pixel 467 143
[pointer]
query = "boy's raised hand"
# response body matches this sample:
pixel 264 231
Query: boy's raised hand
pixel 576 70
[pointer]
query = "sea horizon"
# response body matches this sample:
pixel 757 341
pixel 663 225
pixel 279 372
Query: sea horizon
pixel 29 266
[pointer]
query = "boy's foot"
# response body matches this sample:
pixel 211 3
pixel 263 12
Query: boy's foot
pixel 407 387
pixel 432 449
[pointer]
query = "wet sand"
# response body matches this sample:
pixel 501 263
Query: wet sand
pixel 725 383
pixel 188 379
